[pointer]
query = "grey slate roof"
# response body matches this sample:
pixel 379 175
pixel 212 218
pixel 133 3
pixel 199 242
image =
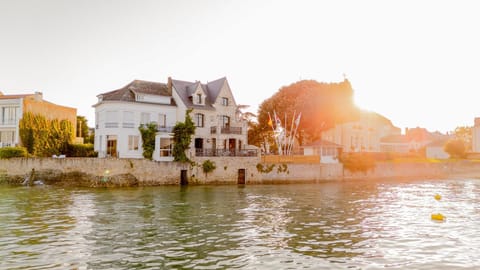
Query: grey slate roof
pixel 127 93
pixel 212 89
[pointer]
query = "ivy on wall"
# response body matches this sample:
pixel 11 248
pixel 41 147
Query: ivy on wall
pixel 42 137
pixel 148 133
pixel 182 137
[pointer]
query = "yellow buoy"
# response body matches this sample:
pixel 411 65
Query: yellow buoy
pixel 438 216
pixel 438 197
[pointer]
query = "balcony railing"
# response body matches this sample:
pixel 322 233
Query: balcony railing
pixel 226 130
pixel 199 152
pixel 111 125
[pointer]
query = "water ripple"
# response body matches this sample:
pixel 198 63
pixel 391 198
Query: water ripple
pixel 335 225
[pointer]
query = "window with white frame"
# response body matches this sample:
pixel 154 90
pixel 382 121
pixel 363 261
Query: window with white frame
pixel 199 120
pixel 144 118
pixel 128 120
pixel 162 120
pixel 166 147
pixel 9 115
pixel 199 98
pixel 133 142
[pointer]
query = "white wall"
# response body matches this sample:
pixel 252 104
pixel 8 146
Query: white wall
pixel 436 152
pixel 125 128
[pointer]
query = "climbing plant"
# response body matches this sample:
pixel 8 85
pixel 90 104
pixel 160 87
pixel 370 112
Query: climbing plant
pixel 182 137
pixel 43 137
pixel 148 133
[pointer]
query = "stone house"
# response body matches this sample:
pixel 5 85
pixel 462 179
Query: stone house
pixel 13 107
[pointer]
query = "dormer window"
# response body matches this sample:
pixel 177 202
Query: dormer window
pixel 225 101
pixel 199 98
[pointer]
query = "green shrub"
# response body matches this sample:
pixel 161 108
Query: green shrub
pixel 80 150
pixel 208 166
pixel 357 162
pixel 10 152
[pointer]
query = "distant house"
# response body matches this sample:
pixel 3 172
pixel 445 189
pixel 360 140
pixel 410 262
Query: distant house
pixel 13 107
pixel 414 140
pixel 363 135
pixel 395 144
pixel 119 114
pixel 219 128
pixel 329 152
pixel 436 150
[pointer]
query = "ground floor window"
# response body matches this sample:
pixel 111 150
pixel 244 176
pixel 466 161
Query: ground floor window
pixel 133 142
pixel 7 137
pixel 166 147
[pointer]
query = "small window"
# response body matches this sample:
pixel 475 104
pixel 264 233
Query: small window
pixel 162 119
pixel 199 98
pixel 225 101
pixel 199 120
pixel 225 121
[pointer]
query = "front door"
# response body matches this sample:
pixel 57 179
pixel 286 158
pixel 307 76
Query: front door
pixel 111 146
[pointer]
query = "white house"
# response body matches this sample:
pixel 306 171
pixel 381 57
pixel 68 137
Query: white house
pixel 362 135
pixel 219 130
pixel 329 152
pixel 119 114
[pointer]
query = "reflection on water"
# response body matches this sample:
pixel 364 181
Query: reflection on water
pixel 344 225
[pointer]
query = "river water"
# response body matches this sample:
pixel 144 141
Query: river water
pixel 333 225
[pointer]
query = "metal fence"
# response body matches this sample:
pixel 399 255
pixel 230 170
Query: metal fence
pixel 199 152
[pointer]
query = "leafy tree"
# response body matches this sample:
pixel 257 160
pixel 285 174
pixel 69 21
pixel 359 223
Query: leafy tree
pixel 83 130
pixel 148 133
pixel 208 166
pixel 464 134
pixel 182 137
pixel 322 106
pixel 455 148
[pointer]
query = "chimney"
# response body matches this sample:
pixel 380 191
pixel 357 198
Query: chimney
pixel 169 83
pixel 38 96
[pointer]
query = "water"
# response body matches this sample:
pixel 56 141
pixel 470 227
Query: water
pixel 334 225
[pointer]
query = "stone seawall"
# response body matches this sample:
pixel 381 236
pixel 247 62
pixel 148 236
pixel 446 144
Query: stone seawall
pixel 95 172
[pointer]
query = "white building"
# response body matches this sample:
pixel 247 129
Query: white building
pixel 11 107
pixel 363 135
pixel 119 114
pixel 476 136
pixel 329 152
pixel 219 130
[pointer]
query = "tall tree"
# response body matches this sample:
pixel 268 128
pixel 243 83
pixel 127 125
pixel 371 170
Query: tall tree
pixel 465 135
pixel 322 106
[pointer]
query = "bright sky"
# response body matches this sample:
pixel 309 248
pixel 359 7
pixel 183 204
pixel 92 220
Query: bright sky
pixel 416 62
